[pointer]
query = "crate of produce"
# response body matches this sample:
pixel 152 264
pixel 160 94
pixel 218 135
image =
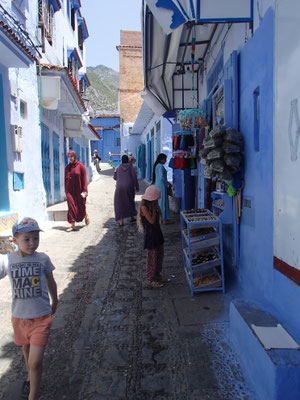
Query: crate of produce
pixel 203 260
pixel 210 280
pixel 196 211
pixel 201 238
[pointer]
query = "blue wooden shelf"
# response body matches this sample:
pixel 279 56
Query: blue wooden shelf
pixel 198 275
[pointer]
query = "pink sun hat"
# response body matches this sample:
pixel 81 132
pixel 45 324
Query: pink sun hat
pixel 152 193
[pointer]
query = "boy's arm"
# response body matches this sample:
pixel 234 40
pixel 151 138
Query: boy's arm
pixel 52 291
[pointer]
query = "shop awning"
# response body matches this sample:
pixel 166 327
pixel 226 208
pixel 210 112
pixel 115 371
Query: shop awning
pixel 176 38
pixel 72 125
pixel 58 89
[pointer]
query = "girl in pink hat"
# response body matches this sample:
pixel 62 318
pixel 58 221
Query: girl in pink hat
pixel 148 222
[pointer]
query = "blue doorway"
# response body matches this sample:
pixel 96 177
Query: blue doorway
pixel 46 162
pixel 4 198
pixel 56 169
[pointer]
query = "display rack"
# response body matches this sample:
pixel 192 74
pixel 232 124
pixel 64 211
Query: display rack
pixel 202 248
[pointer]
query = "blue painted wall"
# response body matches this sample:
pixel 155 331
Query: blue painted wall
pixel 110 137
pixel 4 199
pixel 256 273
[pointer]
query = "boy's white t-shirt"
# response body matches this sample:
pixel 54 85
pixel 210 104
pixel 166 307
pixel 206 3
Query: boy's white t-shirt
pixel 27 276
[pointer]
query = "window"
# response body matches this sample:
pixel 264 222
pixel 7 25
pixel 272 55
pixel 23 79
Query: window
pixel 118 140
pixel 158 126
pixel 73 13
pixel 152 132
pixel 18 181
pixel 80 37
pixel 46 21
pixel 23 109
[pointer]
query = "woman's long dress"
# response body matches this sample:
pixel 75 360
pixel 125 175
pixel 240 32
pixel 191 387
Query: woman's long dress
pixel 75 184
pixel 127 182
pixel 162 183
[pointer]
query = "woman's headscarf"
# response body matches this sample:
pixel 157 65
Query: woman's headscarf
pixel 125 159
pixel 73 154
pixel 160 157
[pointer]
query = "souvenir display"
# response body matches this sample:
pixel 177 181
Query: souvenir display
pixel 222 155
pixel 202 250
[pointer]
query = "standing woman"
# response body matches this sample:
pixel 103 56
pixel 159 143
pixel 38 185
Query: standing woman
pixel 159 179
pixel 76 191
pixel 127 183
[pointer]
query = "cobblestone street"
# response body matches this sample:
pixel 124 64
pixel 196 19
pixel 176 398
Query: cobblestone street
pixel 112 338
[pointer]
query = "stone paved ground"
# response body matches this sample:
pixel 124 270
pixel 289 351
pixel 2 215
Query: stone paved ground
pixel 112 338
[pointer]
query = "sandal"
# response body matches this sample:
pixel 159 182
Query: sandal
pixel 25 389
pixel 154 284
pixel 70 229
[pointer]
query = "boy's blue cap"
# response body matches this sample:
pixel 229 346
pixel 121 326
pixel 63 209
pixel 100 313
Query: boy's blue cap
pixel 25 225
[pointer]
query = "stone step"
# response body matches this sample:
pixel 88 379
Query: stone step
pixel 58 212
pixel 274 373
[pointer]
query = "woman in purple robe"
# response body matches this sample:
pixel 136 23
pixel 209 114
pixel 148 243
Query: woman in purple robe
pixel 127 183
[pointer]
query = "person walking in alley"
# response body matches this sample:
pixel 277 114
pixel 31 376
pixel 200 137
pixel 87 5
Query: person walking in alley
pixel 132 161
pixel 31 278
pixel 148 222
pixel 127 183
pixel 159 179
pixel 97 160
pixel 76 191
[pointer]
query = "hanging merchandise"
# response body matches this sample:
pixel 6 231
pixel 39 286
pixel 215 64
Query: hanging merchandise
pixel 222 154
pixel 192 118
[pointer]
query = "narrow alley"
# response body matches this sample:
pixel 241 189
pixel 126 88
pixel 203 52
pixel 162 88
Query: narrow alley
pixel 112 338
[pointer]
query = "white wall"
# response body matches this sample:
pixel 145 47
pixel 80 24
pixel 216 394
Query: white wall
pixel 287 133
pixel 31 200
pixel 236 36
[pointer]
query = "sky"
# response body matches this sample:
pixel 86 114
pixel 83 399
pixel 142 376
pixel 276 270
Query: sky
pixel 105 19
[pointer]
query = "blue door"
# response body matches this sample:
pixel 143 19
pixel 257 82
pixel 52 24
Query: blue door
pixel 46 162
pixel 157 144
pixel 152 153
pixel 149 165
pixel 87 156
pixel 4 199
pixel 56 167
pixel 82 155
pixel 76 148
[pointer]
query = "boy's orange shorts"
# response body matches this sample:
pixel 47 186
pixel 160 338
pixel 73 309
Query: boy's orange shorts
pixel 32 331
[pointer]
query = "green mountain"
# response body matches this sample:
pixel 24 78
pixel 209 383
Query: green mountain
pixel 104 89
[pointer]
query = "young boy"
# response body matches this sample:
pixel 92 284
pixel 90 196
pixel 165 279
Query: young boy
pixel 31 278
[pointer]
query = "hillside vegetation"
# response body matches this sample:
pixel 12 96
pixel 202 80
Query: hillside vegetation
pixel 103 92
